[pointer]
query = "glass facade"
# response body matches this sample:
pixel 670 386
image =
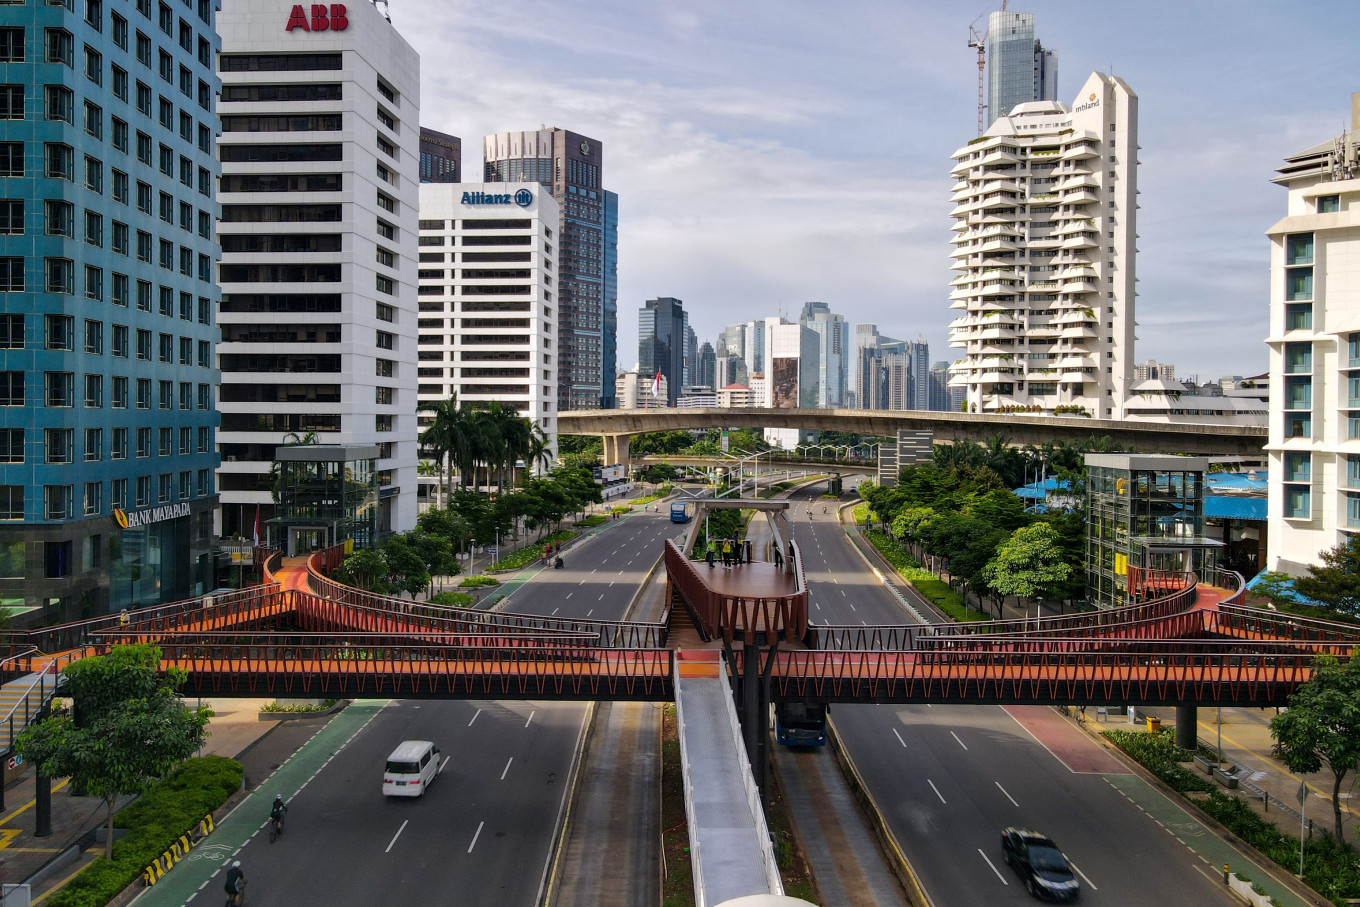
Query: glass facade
pixel 1143 513
pixel 326 495
pixel 107 212
pixel 1019 69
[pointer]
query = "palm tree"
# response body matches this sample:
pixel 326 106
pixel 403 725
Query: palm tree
pixel 437 438
pixel 540 456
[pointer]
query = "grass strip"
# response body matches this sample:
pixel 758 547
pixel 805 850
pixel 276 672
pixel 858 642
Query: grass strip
pixel 925 582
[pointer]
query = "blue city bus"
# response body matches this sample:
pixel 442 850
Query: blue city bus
pixel 679 512
pixel 800 723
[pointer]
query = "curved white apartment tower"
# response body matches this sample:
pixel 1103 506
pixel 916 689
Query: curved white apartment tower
pixel 1044 246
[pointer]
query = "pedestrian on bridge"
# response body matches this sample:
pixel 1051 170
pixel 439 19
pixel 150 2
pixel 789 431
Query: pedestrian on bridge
pixel 708 556
pixel 727 552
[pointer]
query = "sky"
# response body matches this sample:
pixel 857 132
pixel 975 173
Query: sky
pixel 770 152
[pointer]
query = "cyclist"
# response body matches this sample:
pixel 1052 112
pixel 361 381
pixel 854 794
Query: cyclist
pixel 236 884
pixel 276 814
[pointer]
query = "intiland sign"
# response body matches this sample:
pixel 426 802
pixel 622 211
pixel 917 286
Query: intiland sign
pixel 140 518
pixel 524 198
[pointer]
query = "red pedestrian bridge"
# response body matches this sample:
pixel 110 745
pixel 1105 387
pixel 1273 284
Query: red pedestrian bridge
pixel 303 635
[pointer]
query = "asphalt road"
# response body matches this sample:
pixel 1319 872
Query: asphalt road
pixel 949 779
pixel 483 833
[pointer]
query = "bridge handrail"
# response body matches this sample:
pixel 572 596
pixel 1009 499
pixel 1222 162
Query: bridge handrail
pixel 611 633
pixel 788 612
pixel 1295 625
pixel 1181 599
pixel 1231 580
pixel 45 695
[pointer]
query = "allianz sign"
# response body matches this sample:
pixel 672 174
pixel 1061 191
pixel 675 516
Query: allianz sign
pixel 524 198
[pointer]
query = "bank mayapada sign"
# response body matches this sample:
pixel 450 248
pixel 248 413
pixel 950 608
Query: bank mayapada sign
pixel 524 198
pixel 140 518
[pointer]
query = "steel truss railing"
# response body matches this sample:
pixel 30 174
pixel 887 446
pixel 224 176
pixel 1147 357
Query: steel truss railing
pixel 359 609
pixel 718 615
pixel 343 668
pixel 1044 673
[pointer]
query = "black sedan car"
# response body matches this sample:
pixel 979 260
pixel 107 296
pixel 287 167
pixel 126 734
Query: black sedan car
pixel 1044 869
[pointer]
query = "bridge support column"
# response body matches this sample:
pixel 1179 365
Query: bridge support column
pixel 1187 717
pixel 753 709
pixel 42 808
pixel 616 451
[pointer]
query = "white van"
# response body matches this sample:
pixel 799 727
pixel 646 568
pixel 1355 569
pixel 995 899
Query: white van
pixel 410 769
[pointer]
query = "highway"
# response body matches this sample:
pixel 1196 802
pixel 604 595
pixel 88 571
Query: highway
pixel 484 832
pixel 949 779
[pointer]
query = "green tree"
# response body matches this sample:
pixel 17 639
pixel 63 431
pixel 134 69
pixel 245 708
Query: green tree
pixel 1322 725
pixel 1336 583
pixel 364 569
pixel 589 446
pixel 1030 564
pixel 127 728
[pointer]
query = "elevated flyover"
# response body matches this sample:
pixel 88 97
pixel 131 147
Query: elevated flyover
pixel 617 426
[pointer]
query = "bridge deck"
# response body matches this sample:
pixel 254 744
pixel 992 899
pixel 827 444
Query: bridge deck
pixel 754 580
pixel 731 845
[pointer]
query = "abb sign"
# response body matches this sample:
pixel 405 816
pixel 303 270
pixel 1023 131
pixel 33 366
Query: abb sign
pixel 323 18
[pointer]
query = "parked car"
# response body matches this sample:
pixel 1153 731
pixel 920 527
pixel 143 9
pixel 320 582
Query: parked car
pixel 1042 866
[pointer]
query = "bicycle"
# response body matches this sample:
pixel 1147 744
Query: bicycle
pixel 237 898
pixel 275 828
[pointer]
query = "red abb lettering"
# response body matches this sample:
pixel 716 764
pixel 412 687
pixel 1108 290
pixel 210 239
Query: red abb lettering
pixel 323 18
pixel 297 19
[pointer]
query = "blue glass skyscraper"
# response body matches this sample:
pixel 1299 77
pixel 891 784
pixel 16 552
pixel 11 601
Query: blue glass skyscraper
pixel 107 332
pixel 1019 68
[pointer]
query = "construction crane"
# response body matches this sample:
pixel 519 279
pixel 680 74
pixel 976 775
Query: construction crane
pixel 980 42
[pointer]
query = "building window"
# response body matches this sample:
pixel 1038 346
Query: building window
pixel 12 216
pixel 1298 316
pixel 1298 425
pixel 11 388
pixel 60 161
pixel 94 336
pixel 119 449
pixel 59 388
pixel 382 423
pixel 1298 466
pixel 94 444
pixel 57 506
pixel 11 275
pixel 1297 503
pixel 11 502
pixel 94 391
pixel 59 332
pixel 11 332
pixel 11 153
pixel 57 444
pixel 11 445
pixel 11 102
pixel 120 392
pixel 1328 204
pixel 94 498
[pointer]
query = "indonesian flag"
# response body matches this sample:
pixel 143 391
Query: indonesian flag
pixel 257 525
pixel 656 384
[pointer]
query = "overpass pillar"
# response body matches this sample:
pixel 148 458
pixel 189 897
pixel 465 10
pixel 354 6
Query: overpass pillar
pixel 1187 717
pixel 616 451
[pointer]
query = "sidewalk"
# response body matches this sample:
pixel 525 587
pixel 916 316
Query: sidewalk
pixel 234 729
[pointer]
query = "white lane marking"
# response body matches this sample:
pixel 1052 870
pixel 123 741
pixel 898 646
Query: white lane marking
pixel 590 612
pixel 474 717
pixel 555 610
pixel 1008 796
pixel 989 863
pixel 1083 875
pixel 582 582
pixel 863 622
pixel 834 580
pixel 843 593
pixel 853 608
pixel 531 717
pixel 957 740
pixel 818 605
pixel 569 595
pixel 476 836
pixel 899 738
pixel 937 790
pixel 395 836
pixel 611 582
pixel 597 568
pixel 507 767
pixel 442 764
pixel 601 596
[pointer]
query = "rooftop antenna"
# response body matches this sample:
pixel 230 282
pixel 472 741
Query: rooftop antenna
pixel 980 42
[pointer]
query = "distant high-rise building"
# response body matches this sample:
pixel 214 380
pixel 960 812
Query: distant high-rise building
pixel 753 345
pixel 730 370
pixel 663 333
pixel 1314 340
pixel 707 365
pixel 732 341
pixel 1153 370
pixel 691 356
pixel 833 352
pixel 571 166
pixel 896 380
pixel 610 328
pixel 319 192
pixel 791 371
pixel 441 157
pixel 1019 68
pixel 1044 251
pixel 940 392
pixel 918 391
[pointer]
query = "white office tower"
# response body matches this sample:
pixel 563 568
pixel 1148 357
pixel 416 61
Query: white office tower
pixel 320 116
pixel 1045 216
pixel 791 373
pixel 1314 445
pixel 488 301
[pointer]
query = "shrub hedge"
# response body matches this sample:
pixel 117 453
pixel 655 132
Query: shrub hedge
pixel 1330 868
pixel 451 599
pixel 925 582
pixel 530 553
pixel 154 821
pixel 473 581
